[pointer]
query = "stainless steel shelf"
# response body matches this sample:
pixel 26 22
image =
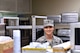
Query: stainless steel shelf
pixel 19 27
pixel 62 25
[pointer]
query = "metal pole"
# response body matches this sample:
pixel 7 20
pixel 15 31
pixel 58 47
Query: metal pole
pixel 33 28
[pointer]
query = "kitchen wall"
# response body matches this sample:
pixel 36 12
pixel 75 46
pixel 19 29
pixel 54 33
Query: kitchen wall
pixel 53 7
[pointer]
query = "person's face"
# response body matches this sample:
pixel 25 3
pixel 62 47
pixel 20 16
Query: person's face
pixel 48 30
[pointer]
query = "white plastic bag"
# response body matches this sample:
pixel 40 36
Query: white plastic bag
pixel 5 38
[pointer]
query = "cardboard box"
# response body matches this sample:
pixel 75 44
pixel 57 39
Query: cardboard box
pixel 63 48
pixel 6 46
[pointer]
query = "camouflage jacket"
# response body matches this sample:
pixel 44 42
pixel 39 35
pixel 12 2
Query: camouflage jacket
pixel 55 41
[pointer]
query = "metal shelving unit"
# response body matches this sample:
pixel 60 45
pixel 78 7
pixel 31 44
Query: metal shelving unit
pixel 34 26
pixel 10 21
pixel 11 18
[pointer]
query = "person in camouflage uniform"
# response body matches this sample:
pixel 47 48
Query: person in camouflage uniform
pixel 48 34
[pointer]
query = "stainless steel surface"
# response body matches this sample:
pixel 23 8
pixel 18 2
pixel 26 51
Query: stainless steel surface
pixel 56 18
pixel 20 6
pixel 24 6
pixel 63 32
pixel 62 25
pixel 8 5
pixel 69 17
